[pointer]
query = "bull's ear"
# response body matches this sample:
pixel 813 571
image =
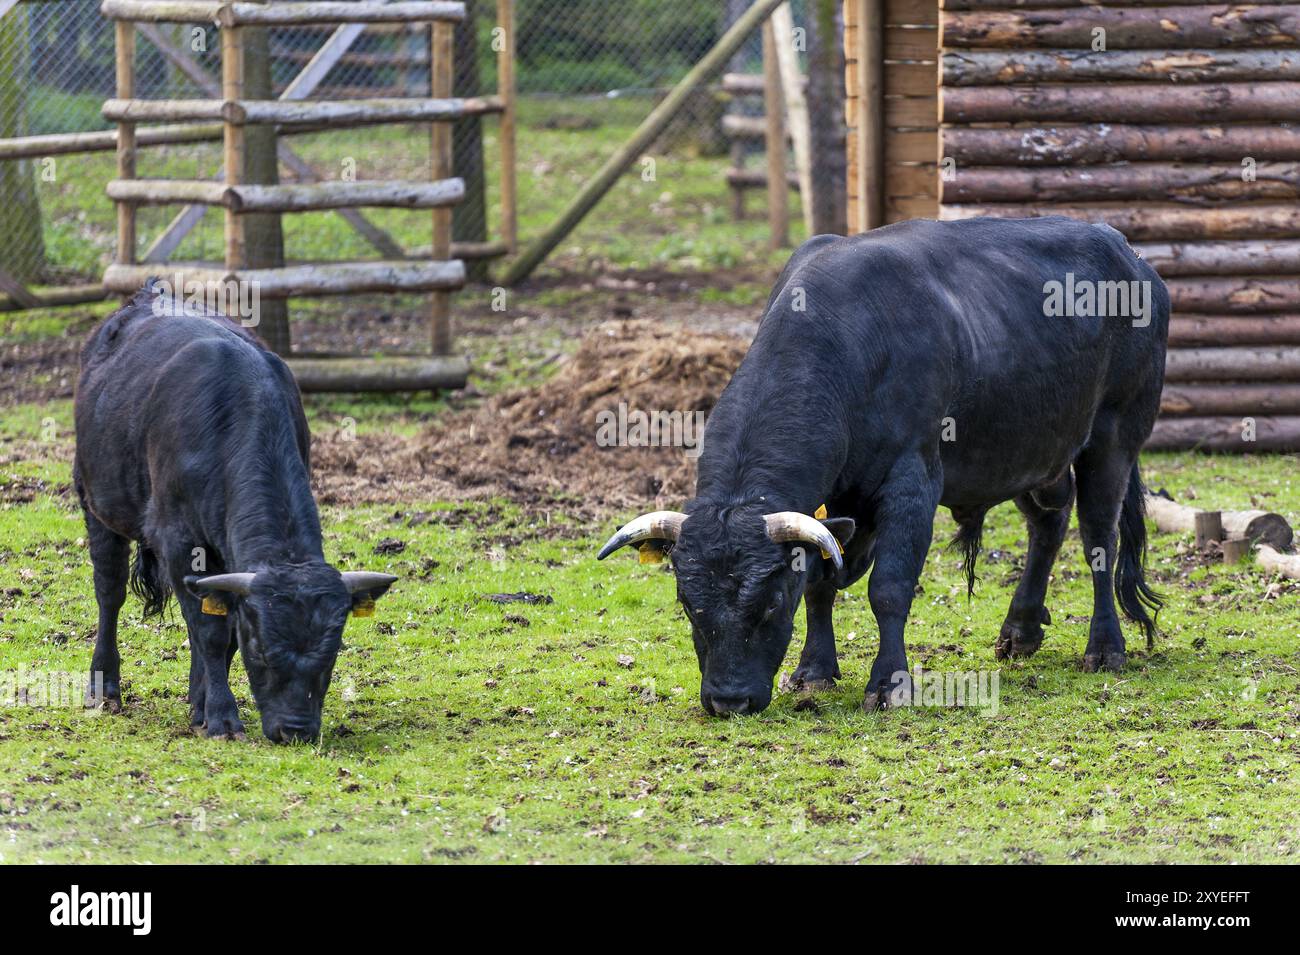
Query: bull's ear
pixel 366 587
pixel 841 527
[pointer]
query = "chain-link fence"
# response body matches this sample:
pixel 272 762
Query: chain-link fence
pixel 587 72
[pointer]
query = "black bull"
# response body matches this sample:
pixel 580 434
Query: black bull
pixel 191 440
pixel 960 364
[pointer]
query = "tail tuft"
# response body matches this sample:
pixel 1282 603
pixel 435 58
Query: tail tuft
pixel 969 539
pixel 148 581
pixel 1135 596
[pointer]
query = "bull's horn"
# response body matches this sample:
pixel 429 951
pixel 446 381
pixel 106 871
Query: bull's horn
pixel 356 580
pixel 792 526
pixel 657 525
pixel 241 584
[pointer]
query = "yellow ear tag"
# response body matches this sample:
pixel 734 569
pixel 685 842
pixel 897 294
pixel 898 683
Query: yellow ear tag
pixel 213 606
pixel 364 609
pixel 820 514
pixel 649 553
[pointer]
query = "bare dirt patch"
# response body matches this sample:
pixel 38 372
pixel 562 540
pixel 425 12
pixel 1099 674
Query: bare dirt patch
pixel 540 445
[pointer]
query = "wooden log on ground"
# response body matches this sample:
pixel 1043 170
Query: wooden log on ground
pixel 1121 103
pixel 1126 28
pixel 1181 182
pixel 1191 330
pixel 1227 434
pixel 1153 221
pixel 280 14
pixel 1112 142
pixel 1257 363
pixel 388 373
pixel 1245 295
pixel 1258 257
pixel 988 68
pixel 1211 400
pixel 331 114
pixel 1174 518
pixel 1268 558
pixel 54 297
pixel 322 278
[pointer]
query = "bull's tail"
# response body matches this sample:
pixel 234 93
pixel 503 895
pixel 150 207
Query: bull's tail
pixel 969 540
pixel 148 582
pixel 1135 596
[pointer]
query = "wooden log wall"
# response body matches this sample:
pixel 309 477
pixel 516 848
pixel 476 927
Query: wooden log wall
pixel 1179 125
pixel 911 135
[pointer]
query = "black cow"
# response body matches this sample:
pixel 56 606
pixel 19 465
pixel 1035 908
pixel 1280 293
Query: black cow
pixel 191 440
pixel 921 364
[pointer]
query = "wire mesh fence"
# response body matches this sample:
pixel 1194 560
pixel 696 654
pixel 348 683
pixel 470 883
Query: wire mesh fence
pixel 587 73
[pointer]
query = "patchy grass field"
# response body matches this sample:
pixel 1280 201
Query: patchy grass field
pixel 569 729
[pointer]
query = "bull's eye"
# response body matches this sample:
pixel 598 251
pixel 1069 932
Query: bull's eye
pixel 774 608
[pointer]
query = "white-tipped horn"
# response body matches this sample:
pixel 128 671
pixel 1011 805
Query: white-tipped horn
pixel 241 584
pixel 786 526
pixel 356 580
pixel 657 525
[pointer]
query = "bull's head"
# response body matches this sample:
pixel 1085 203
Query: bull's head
pixel 289 623
pixel 741 572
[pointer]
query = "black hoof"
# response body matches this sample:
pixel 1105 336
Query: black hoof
pixel 890 694
pixel 1111 660
pixel 222 729
pixel 109 699
pixel 1021 640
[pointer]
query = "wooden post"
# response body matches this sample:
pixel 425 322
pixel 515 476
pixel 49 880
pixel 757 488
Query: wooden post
pixel 796 107
pixel 1209 527
pixel 1236 550
pixel 778 192
pixel 865 115
pixel 232 90
pixel 124 34
pixel 442 78
pixel 506 130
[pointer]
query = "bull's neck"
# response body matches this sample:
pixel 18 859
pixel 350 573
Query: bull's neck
pixel 271 516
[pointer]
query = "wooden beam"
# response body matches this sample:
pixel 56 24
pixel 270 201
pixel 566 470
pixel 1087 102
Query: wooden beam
pixel 796 107
pixel 292 281
pixel 442 80
pixel 993 67
pixel 641 138
pixel 1075 145
pixel 124 61
pixel 386 373
pixel 506 129
pixel 864 75
pixel 774 132
pixel 1121 103
pixel 281 14
pixel 1155 221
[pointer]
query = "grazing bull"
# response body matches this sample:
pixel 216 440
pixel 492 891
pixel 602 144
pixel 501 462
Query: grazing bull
pixel 960 364
pixel 191 440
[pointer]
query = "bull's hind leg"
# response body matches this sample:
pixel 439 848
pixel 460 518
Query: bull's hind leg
pixel 1047 514
pixel 819 666
pixel 1102 473
pixel 110 559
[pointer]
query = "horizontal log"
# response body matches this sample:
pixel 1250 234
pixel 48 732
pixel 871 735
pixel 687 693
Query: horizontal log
pixel 1235 295
pixel 1182 182
pixel 280 14
pixel 904 43
pixel 302 197
pixel 1122 103
pixel 55 297
pixel 322 278
pixel 1107 142
pixel 1251 257
pixel 746 127
pixel 1207 400
pixel 911 112
pixel 479 250
pixel 756 178
pixel 991 67
pixel 1170 517
pixel 358 112
pixel 1270 560
pixel 1192 330
pixel 1150 221
pixel 1127 28
pixel 1271 434
pixel 387 373
pixel 747 84
pixel 294 197
pixel 1258 363
pixel 1043 4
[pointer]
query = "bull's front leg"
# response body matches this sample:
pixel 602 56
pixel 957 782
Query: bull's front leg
pixel 905 525
pixel 212 705
pixel 819 665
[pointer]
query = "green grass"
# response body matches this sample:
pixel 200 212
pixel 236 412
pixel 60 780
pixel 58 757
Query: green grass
pixel 459 729
pixel 678 220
